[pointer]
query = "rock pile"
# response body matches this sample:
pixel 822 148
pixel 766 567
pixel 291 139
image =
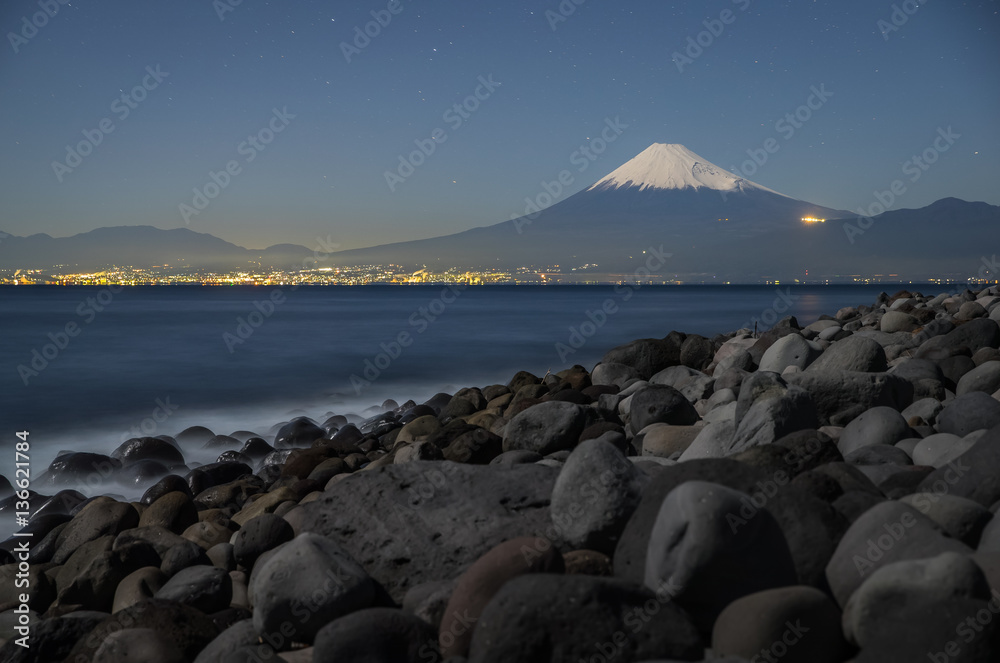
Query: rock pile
pixel 821 494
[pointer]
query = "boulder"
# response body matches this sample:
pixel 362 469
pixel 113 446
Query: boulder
pixel 921 584
pixel 708 550
pixel 477 586
pixel 647 356
pixel 306 583
pixel 545 428
pixel 880 425
pixel 595 494
pixel 790 350
pixel 258 535
pixel 969 412
pixel 985 377
pixel 206 588
pixel 854 353
pixel 174 511
pixel 660 404
pixel 790 624
pixel 888 532
pixel 587 616
pixel 101 517
pixel 840 396
pixel 426 520
pixel 187 628
pixel 375 635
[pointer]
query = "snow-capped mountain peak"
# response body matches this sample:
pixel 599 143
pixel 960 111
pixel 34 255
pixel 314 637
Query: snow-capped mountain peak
pixel 673 166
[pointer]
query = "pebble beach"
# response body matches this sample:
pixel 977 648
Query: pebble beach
pixel 821 493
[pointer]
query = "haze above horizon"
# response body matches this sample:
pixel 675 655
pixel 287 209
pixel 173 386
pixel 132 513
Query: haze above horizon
pixel 307 127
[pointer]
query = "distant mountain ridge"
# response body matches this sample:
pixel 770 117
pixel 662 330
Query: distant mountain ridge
pixel 142 246
pixel 716 226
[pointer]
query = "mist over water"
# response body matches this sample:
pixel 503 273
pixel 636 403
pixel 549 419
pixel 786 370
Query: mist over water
pixel 155 360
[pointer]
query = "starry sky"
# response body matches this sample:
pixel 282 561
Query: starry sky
pixel 308 113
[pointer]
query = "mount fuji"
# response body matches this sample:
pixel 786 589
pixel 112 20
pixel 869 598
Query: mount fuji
pixel 667 195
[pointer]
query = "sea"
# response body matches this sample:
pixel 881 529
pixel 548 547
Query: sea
pixel 86 368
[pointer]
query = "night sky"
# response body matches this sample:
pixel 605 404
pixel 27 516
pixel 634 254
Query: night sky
pixel 552 81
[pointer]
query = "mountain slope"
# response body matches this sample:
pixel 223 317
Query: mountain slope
pixel 665 195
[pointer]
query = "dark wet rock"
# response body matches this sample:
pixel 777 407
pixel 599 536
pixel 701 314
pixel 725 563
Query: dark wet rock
pixel 80 468
pixel 143 472
pixel 256 448
pixel 167 484
pixel 299 432
pixel 148 448
pixel 194 436
pixel 582 614
pixel 234 492
pixel 214 474
pixel 60 504
pixel 234 457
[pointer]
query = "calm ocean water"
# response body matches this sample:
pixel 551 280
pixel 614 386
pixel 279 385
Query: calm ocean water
pixel 84 367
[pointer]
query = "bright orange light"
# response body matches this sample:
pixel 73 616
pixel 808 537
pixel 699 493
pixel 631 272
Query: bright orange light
pixel 812 219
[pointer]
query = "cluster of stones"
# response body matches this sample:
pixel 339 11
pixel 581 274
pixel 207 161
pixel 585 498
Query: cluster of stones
pixel 821 494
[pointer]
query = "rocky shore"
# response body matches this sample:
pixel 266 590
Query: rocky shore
pixel 819 494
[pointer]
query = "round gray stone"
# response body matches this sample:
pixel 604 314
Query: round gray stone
pixel 595 494
pixel 878 425
pixel 307 583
